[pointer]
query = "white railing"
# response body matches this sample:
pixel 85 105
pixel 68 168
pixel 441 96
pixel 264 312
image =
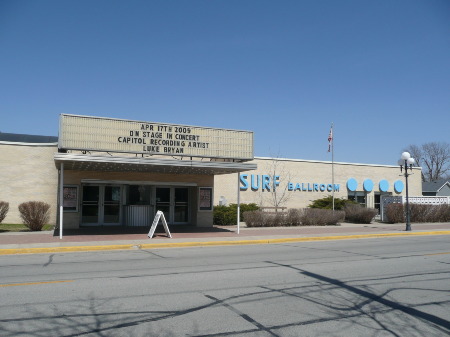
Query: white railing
pixel 423 200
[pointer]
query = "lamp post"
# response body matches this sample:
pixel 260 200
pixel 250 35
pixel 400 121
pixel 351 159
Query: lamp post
pixel 406 162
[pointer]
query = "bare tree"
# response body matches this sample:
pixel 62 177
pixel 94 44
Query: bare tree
pixel 417 153
pixel 434 158
pixel 278 194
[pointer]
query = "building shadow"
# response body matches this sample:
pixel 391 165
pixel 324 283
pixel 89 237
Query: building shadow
pixel 123 230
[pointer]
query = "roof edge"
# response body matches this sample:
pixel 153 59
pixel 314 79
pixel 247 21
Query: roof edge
pixel 329 162
pixel 28 144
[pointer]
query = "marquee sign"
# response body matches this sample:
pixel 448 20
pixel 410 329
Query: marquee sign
pixel 117 135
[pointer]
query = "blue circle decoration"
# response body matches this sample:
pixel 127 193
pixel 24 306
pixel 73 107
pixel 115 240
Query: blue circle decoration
pixel 368 185
pixel 398 186
pixel 352 184
pixel 384 185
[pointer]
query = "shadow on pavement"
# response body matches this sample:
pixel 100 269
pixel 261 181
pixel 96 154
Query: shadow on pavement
pixel 119 230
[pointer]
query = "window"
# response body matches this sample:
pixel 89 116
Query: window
pixel 138 195
pixel 359 197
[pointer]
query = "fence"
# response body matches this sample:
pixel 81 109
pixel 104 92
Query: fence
pixel 274 210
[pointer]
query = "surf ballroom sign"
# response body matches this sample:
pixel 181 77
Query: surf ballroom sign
pixel 265 182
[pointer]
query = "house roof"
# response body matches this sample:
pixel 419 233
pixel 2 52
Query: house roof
pixel 434 186
pixel 20 138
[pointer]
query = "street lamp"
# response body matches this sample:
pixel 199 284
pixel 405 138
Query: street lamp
pixel 406 162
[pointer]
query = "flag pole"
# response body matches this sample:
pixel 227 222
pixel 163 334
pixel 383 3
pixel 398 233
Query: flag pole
pixel 238 215
pixel 331 139
pixel 332 162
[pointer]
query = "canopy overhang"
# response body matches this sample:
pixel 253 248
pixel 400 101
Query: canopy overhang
pixel 84 162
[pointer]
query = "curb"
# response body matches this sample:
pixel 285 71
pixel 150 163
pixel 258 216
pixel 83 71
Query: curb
pixel 69 249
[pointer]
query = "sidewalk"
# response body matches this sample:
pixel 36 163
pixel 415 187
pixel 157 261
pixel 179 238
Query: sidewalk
pixel 90 239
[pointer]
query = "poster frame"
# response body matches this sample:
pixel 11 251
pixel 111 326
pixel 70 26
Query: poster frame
pixel 66 200
pixel 202 205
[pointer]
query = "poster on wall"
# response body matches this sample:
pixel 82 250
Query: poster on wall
pixel 70 198
pixel 205 198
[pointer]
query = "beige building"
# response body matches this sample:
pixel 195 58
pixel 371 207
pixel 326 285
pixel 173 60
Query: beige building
pixel 27 172
pixel 111 172
pixel 294 183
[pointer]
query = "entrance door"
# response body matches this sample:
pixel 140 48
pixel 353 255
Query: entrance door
pixel 174 203
pixel 90 205
pixel 111 205
pixel 101 205
pixel 377 203
pixel 163 202
pixel 181 205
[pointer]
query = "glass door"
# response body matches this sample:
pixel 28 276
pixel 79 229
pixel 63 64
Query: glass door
pixel 181 204
pixel 111 205
pixel 101 205
pixel 90 205
pixel 162 202
pixel 174 203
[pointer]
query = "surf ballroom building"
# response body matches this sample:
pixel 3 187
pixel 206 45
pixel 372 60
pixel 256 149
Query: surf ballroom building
pixel 114 172
pixel 295 183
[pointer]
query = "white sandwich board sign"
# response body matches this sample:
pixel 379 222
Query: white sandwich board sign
pixel 159 216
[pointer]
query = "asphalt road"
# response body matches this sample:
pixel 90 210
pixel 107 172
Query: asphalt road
pixel 365 287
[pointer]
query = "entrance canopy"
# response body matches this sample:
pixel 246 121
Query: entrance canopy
pixel 83 162
pixel 93 144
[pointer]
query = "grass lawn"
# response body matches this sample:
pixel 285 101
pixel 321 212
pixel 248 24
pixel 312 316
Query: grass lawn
pixel 4 227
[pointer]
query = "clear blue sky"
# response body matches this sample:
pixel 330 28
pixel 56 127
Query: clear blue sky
pixel 380 70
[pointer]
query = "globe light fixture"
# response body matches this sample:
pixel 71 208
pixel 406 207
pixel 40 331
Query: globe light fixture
pixel 406 162
pixel 405 156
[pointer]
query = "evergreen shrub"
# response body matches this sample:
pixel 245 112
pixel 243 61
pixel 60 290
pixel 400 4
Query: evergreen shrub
pixel 327 203
pixel 227 215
